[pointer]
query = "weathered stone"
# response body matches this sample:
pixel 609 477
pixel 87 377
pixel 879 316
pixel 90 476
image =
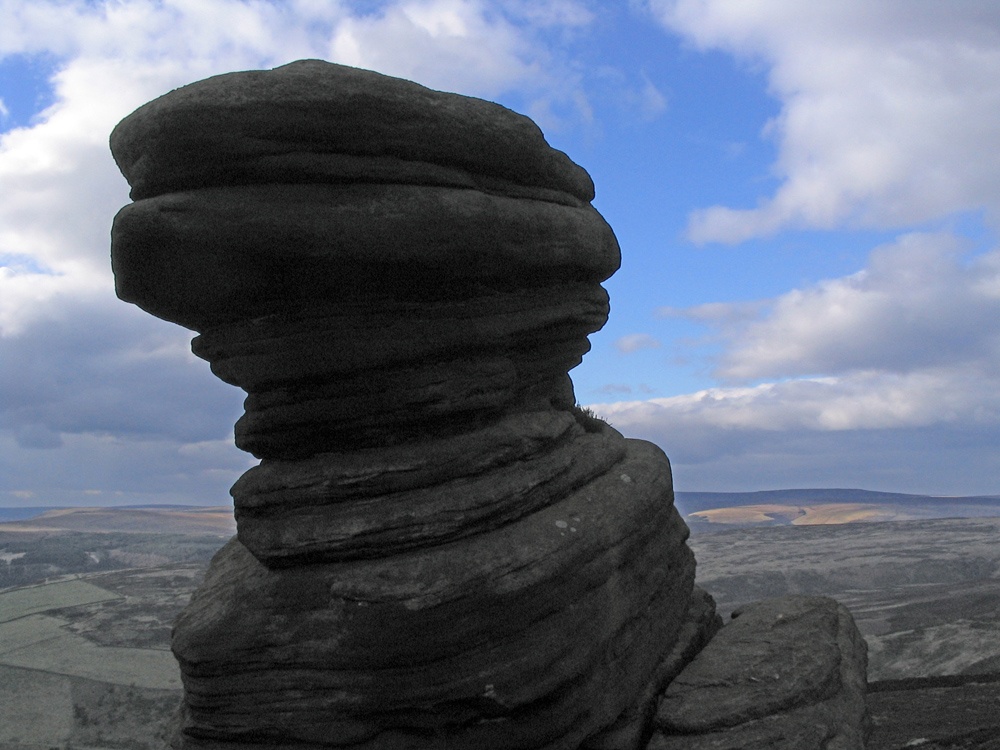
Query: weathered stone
pixel 313 121
pixel 785 673
pixel 331 389
pixel 205 257
pixel 533 634
pixel 283 519
pixel 438 548
pixel 632 729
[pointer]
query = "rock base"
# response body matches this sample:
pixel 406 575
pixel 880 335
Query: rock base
pixel 784 673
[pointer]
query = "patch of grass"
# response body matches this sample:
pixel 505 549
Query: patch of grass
pixel 21 602
pixel 587 418
pixel 36 709
pixel 41 642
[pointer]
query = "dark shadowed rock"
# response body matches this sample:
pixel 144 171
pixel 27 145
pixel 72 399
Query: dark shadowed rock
pixel 785 673
pixel 284 518
pixel 313 121
pixel 253 250
pixel 438 549
pixel 632 729
pixel 530 632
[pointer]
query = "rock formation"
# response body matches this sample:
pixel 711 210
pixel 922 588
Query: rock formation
pixel 437 548
pixel 786 673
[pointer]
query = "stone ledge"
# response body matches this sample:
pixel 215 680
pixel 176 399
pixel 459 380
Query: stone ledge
pixel 784 673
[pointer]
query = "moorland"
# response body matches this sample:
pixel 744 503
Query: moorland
pixel 88 595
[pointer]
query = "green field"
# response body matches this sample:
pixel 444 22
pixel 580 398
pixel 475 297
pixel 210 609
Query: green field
pixel 36 709
pixel 41 642
pixel 84 656
pixel 31 600
pixel 40 711
pixel 31 639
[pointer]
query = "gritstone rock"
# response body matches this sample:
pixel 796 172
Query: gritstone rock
pixel 786 673
pixel 437 548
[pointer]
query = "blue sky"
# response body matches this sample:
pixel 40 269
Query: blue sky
pixel 806 196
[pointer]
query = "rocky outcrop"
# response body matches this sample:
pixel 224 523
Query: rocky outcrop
pixel 632 729
pixel 785 673
pixel 437 548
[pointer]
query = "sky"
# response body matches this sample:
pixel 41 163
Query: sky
pixel 807 198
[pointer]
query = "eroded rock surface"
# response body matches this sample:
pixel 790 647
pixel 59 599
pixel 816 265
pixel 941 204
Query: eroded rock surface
pixel 785 673
pixel 437 549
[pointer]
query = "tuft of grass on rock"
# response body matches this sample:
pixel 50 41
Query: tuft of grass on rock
pixel 588 419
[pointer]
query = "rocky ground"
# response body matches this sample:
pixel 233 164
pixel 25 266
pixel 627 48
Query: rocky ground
pixel 926 596
pixel 929 613
pixel 959 713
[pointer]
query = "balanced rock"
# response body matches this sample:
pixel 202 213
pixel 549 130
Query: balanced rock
pixel 786 673
pixel 437 548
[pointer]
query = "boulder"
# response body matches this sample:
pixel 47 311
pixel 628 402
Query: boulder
pixel 250 250
pixel 633 728
pixel 438 548
pixel 784 673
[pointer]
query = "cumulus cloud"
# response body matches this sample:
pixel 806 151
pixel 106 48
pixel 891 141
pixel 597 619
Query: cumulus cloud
pixel 887 375
pixel 890 111
pixel 909 340
pixel 920 303
pixel 865 400
pixel 124 471
pixel 446 44
pixel 97 395
pixel 935 432
pixel 884 362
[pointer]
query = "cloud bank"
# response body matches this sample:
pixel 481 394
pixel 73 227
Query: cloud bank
pixel 888 109
pixel 99 402
pixel 904 352
pixel 885 378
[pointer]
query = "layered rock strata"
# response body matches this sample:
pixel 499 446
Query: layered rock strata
pixel 437 548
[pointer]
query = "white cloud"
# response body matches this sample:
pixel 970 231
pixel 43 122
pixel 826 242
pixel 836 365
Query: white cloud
pixel 633 342
pixel 446 44
pixel 85 379
pixel 936 431
pixel 648 100
pixel 890 111
pixel 899 361
pixel 920 303
pixel 864 400
pixel 473 47
pixel 910 340
pixel 126 471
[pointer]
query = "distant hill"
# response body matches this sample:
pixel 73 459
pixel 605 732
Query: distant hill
pixel 703 511
pixel 152 519
pixel 695 501
pixel 707 511
pixel 19 514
